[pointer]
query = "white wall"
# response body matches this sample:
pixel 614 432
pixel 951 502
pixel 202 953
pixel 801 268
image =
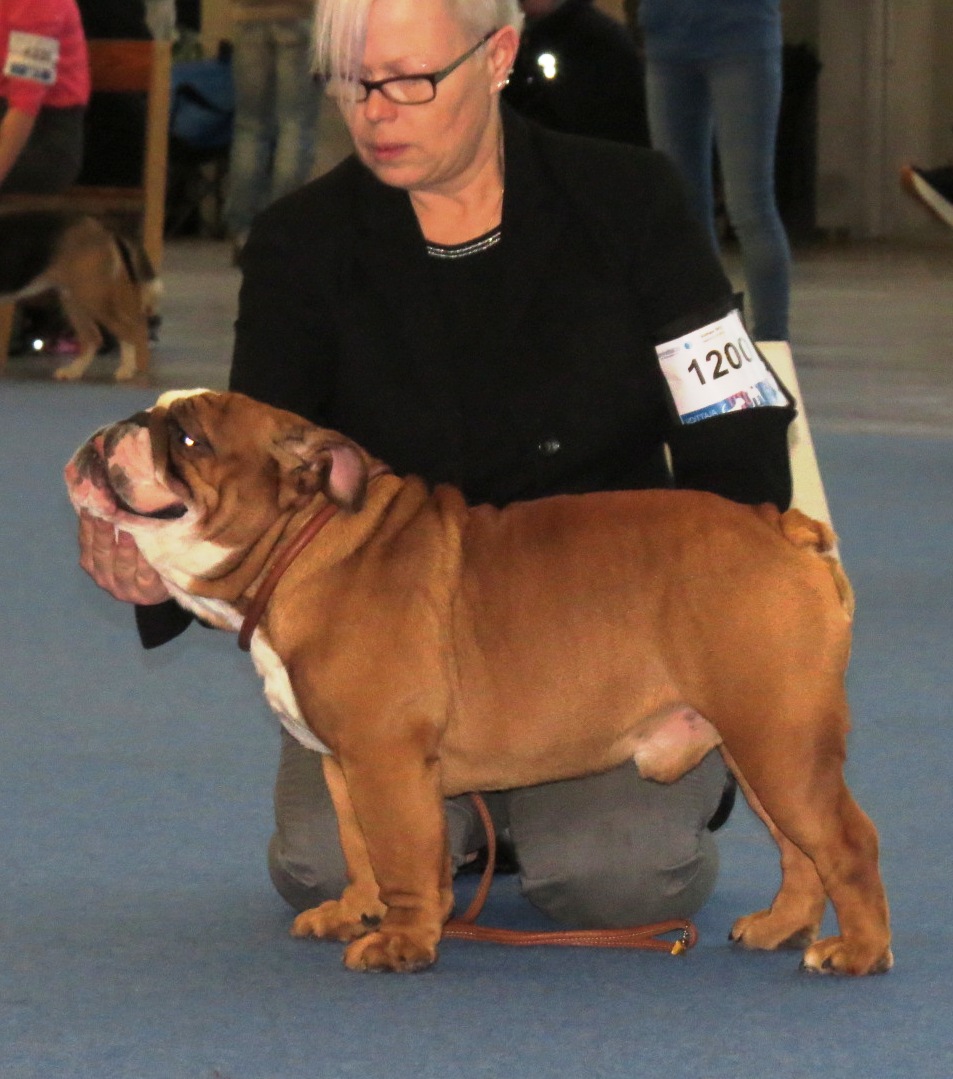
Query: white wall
pixel 886 99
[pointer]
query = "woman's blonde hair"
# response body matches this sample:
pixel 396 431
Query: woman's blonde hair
pixel 340 27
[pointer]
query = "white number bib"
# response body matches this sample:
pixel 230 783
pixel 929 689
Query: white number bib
pixel 717 369
pixel 32 57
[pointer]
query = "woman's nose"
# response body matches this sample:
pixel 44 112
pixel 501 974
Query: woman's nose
pixel 377 107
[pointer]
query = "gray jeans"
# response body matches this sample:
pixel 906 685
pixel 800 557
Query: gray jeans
pixel 603 851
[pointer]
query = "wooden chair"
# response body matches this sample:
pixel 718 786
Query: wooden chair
pixel 118 66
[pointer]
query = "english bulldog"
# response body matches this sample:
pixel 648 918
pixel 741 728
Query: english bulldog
pixel 428 649
pixel 101 277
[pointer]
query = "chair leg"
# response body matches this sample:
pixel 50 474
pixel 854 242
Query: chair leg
pixel 7 310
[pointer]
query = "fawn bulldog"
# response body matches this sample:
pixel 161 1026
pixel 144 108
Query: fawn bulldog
pixel 428 649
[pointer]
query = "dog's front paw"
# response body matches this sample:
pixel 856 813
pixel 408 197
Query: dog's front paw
pixel 337 920
pixel 768 931
pixel 70 372
pixel 837 955
pixel 401 950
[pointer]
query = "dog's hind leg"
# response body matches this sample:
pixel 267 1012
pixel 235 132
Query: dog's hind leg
pixel 123 316
pixel 811 812
pixel 794 918
pixel 133 300
pixel 128 362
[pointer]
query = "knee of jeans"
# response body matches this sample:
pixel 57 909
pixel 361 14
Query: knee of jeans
pixel 650 887
pixel 303 886
pixel 759 220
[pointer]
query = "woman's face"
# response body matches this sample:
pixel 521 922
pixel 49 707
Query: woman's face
pixel 438 145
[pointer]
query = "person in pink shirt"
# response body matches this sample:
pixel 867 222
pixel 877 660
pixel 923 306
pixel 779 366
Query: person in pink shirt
pixel 44 89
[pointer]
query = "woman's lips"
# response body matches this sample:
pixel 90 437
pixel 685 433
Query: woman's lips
pixel 386 151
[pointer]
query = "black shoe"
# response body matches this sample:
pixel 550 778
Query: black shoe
pixel 505 860
pixel 726 805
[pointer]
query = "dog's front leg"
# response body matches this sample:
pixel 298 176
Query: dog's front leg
pixel 397 799
pixel 87 334
pixel 359 909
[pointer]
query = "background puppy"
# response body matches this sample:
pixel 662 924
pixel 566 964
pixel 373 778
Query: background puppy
pixel 101 278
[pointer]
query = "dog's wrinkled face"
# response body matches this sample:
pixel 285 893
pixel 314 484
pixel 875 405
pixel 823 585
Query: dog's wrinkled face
pixel 201 476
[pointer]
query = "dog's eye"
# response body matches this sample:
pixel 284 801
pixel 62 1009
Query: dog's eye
pixel 189 441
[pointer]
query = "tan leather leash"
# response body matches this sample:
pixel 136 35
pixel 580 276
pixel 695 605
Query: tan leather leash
pixel 647 937
pixel 287 555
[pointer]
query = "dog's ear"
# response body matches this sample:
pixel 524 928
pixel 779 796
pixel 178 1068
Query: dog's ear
pixel 312 460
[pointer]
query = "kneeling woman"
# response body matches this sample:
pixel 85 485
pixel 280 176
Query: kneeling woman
pixel 483 302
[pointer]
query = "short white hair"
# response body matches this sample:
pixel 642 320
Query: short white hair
pixel 340 27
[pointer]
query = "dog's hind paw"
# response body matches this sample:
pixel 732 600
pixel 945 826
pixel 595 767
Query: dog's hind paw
pixel 835 955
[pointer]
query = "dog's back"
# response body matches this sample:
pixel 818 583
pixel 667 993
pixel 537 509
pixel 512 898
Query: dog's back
pixel 36 242
pixel 29 241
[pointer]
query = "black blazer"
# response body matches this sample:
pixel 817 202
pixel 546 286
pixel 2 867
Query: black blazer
pixel 339 320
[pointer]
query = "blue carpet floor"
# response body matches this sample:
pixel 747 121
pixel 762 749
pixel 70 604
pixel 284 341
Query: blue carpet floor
pixel 140 937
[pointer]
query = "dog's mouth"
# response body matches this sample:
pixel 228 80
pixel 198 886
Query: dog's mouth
pixel 114 480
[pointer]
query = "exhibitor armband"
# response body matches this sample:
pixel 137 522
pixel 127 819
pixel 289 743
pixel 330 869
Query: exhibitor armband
pixel 716 369
pixel 32 57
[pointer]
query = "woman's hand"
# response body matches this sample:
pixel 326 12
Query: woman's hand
pixel 112 559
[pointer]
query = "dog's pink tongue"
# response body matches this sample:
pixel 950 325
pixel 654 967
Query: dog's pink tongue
pixel 132 473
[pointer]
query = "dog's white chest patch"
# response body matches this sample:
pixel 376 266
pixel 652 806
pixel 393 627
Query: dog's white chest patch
pixel 280 695
pixel 215 612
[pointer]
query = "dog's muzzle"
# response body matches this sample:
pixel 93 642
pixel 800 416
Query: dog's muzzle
pixel 117 463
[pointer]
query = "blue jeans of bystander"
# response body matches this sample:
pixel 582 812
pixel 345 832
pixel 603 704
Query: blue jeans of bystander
pixel 731 101
pixel 276 111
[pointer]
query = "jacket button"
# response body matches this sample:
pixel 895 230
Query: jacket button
pixel 550 446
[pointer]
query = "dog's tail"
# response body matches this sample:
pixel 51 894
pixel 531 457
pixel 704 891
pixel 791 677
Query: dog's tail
pixel 138 267
pixel 807 533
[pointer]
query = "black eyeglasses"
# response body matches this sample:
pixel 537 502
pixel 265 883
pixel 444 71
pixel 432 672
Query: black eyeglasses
pixel 398 89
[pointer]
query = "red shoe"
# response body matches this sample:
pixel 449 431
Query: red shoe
pixel 63 345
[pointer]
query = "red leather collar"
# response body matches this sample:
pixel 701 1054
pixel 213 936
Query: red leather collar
pixel 288 554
